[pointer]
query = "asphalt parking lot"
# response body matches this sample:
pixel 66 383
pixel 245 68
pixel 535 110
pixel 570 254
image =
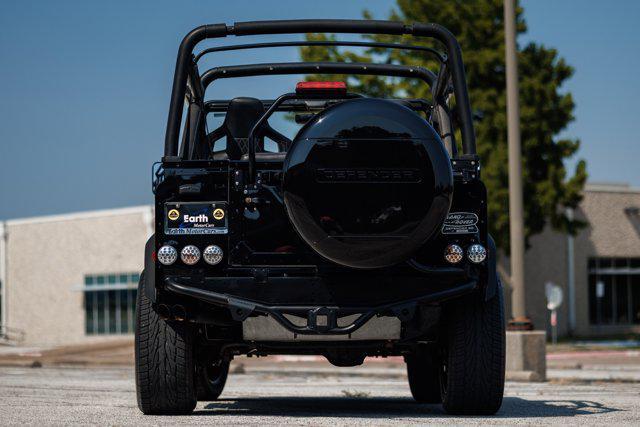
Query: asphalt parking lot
pixel 106 396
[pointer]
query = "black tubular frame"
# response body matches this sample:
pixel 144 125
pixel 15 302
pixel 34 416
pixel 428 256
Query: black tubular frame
pixel 240 308
pixel 258 125
pixel 337 43
pixel 185 60
pixel 221 105
pixel 317 67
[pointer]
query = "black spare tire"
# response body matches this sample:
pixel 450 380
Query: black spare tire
pixel 367 182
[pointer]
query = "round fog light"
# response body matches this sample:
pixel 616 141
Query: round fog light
pixel 212 254
pixel 453 254
pixel 190 255
pixel 167 255
pixel 476 253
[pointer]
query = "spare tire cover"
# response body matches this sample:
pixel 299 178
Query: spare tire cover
pixel 367 182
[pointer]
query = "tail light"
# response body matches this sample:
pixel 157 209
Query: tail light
pixel 190 255
pixel 167 255
pixel 453 254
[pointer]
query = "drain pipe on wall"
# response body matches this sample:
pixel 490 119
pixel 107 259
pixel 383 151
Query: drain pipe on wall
pixel 3 271
pixel 571 278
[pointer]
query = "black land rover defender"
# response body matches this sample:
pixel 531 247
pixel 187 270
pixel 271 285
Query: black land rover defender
pixel 364 235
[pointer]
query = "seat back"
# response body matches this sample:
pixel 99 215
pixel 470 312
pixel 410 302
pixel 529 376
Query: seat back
pixel 242 115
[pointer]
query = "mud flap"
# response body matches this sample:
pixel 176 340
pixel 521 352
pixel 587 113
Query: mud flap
pixel 492 274
pixel 150 269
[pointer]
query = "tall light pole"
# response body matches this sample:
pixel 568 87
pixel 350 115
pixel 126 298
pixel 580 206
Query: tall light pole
pixel 516 210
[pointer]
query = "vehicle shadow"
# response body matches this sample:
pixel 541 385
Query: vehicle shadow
pixel 390 407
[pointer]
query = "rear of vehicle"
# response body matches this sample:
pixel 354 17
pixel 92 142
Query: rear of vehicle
pixel 362 235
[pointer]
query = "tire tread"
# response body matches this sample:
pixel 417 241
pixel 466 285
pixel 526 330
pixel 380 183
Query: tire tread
pixel 163 361
pixel 476 356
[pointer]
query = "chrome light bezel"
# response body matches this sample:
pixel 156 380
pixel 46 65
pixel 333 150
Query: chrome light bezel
pixel 167 255
pixel 212 254
pixel 190 255
pixel 453 254
pixel 476 253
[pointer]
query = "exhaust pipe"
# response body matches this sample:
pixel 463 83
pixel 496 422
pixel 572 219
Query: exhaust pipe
pixel 163 311
pixel 179 313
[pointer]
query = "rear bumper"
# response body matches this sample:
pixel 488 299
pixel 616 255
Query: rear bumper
pixel 321 314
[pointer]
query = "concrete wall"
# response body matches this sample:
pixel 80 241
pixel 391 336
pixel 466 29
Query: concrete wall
pixel 48 258
pixel 546 261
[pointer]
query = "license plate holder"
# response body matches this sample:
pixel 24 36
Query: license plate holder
pixel 196 218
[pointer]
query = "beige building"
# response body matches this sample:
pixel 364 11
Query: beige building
pixel 72 278
pixel 598 270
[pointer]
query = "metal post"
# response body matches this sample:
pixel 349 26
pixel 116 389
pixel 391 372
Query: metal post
pixel 571 277
pixel 516 210
pixel 554 326
pixel 3 274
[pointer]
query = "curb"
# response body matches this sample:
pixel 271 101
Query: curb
pixel 592 354
pixel 397 373
pixel 523 376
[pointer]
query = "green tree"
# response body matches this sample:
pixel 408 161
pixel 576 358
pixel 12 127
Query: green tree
pixel 545 109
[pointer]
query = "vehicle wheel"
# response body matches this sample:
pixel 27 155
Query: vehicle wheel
pixel 423 372
pixel 472 375
pixel 211 379
pixel 164 361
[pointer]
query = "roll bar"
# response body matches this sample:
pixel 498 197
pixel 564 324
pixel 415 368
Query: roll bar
pixel 185 60
pixel 434 52
pixel 317 67
pixel 222 105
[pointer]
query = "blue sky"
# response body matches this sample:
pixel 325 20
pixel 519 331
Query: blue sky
pixel 85 88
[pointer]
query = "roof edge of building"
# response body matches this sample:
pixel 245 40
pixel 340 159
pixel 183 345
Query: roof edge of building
pixel 80 215
pixel 610 188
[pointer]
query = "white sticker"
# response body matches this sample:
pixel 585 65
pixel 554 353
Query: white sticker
pixel 460 223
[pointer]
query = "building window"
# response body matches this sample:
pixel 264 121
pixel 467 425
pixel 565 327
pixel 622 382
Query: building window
pixel 614 291
pixel 110 303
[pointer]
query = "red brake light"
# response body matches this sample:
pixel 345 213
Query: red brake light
pixel 321 87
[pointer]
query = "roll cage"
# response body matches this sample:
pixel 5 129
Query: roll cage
pixel 189 84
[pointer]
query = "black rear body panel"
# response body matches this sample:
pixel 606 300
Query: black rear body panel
pixel 256 272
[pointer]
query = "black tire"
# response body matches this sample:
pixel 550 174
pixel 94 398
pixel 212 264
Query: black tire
pixel 472 377
pixel 164 361
pixel 423 372
pixel 211 380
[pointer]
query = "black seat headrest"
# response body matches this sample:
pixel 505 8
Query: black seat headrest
pixel 242 115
